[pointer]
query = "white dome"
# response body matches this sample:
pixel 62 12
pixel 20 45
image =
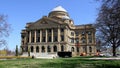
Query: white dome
pixel 59 8
pixel 65 17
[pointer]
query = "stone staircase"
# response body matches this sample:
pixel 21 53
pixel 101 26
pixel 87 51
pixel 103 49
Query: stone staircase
pixel 46 55
pixel 25 54
pixel 42 55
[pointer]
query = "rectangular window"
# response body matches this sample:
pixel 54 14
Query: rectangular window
pixel 62 37
pixel 38 39
pixel 83 41
pixel 72 40
pixel 72 33
pixel 32 39
pixel 43 39
pixel 77 34
pixel 49 39
pixel 55 38
pixel 77 40
pixel 90 40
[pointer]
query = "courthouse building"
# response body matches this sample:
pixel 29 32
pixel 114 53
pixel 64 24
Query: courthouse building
pixel 56 32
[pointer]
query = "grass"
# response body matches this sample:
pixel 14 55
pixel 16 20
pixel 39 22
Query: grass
pixel 13 57
pixel 76 62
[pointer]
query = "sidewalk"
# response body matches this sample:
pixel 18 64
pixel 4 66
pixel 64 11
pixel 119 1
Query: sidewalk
pixel 110 58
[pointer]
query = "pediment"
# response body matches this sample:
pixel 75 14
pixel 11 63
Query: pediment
pixel 45 23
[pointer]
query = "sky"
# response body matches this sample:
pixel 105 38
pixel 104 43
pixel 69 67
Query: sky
pixel 20 12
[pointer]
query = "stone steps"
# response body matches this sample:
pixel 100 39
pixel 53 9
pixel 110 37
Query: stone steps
pixel 41 55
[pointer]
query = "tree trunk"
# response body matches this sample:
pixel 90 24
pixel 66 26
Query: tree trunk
pixel 114 50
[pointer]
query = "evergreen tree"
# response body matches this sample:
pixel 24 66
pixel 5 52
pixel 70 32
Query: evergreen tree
pixel 16 51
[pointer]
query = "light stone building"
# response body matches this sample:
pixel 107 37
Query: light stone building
pixel 57 33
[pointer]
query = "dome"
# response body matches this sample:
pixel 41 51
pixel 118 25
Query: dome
pixel 60 12
pixel 59 8
pixel 65 17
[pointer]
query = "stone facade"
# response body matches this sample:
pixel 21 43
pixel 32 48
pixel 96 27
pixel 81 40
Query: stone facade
pixel 57 32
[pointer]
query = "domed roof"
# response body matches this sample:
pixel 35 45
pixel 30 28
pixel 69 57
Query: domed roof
pixel 65 17
pixel 59 8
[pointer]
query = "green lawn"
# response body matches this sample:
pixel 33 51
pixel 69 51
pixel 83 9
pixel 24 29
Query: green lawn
pixel 59 63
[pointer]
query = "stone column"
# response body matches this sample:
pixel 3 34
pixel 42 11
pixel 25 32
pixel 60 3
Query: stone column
pixel 87 40
pixel 65 37
pixel 52 35
pixel 46 35
pixel 45 49
pixel 58 47
pixel 80 50
pixel 40 35
pixel 30 37
pixel 34 49
pixel 58 34
pixel 25 40
pixel 35 36
pixel 39 49
pixel 52 48
pixel 88 50
pixel 65 47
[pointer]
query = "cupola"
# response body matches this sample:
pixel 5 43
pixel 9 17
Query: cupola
pixel 60 12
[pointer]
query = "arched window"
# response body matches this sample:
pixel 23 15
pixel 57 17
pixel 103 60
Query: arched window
pixel 77 49
pixel 37 49
pixel 55 48
pixel 90 49
pixel 43 49
pixel 72 49
pixel 48 48
pixel 62 48
pixel 31 49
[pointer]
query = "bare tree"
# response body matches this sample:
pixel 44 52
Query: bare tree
pixel 4 29
pixel 108 23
